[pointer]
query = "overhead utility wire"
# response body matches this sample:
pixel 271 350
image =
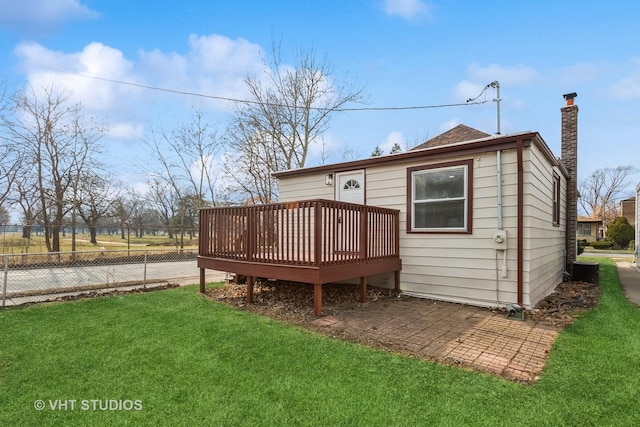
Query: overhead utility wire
pixel 483 92
pixel 246 101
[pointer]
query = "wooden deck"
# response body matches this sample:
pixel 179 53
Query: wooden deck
pixel 312 241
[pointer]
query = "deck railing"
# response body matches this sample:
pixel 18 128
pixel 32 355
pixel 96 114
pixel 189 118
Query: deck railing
pixel 305 233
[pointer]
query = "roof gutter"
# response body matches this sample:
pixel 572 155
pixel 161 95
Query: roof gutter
pixel 494 143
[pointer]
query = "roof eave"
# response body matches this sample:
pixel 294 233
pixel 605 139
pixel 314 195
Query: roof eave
pixel 491 143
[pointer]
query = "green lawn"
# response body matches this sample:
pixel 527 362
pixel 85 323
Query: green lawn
pixel 13 243
pixel 190 361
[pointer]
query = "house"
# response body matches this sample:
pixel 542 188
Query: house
pixel 480 219
pixel 636 222
pixel 628 210
pixel 590 229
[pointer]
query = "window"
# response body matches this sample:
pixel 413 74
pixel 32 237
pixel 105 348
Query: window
pixel 584 229
pixel 351 184
pixel 556 199
pixel 440 198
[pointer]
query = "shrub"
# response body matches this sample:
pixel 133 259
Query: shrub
pixel 581 245
pixel 632 245
pixel 601 245
pixel 620 232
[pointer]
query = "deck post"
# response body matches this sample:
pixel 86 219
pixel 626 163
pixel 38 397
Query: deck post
pixel 317 299
pixel 363 289
pixel 396 278
pixel 250 282
pixel 202 280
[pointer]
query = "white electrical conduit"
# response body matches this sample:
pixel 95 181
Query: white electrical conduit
pixel 499 197
pixel 499 187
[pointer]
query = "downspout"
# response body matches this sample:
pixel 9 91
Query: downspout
pixel 520 239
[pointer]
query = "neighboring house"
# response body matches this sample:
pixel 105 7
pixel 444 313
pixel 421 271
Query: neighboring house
pixel 628 210
pixel 590 229
pixel 636 222
pixel 486 220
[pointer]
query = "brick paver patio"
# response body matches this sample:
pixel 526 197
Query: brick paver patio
pixel 456 334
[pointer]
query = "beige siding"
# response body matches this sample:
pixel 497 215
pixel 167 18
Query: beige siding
pixel 467 268
pixel 305 187
pixel 544 243
pixel 458 267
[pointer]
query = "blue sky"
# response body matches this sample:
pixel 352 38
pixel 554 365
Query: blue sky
pixel 403 52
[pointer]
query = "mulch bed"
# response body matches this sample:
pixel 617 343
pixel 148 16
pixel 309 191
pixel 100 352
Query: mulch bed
pixel 568 301
pixel 293 302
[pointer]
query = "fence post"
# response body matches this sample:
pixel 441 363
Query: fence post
pixel 4 286
pixel 144 280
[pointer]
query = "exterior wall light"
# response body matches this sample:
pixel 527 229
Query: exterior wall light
pixel 328 179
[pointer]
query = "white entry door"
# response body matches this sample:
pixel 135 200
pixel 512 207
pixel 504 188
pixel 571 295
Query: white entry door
pixel 350 187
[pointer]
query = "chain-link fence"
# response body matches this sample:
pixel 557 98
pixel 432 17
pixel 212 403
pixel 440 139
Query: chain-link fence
pixel 16 239
pixel 46 276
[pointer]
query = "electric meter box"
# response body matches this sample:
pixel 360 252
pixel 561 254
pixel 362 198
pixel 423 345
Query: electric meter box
pixel 500 239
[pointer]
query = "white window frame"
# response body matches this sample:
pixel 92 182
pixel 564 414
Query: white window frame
pixel 466 167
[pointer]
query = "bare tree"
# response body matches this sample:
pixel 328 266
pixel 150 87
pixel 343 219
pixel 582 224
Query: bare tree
pixel 10 162
pixel 140 216
pixel 350 153
pixel 95 197
pixel 26 198
pixel 603 189
pixel 289 111
pixel 123 208
pixel 163 202
pixel 59 142
pixel 4 216
pixel 187 156
pixel 251 166
pixel 10 153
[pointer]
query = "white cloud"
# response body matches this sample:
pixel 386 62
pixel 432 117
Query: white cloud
pixel 628 87
pixel 221 55
pixel 67 71
pixel 213 65
pixel 514 75
pixel 325 150
pixel 409 10
pixel 478 77
pixel 126 131
pixel 466 90
pixel 393 138
pixel 581 73
pixel 448 125
pixel 42 14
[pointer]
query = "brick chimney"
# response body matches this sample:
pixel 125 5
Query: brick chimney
pixel 569 139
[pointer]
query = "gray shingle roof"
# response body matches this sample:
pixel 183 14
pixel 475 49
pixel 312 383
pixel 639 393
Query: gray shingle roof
pixel 459 133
